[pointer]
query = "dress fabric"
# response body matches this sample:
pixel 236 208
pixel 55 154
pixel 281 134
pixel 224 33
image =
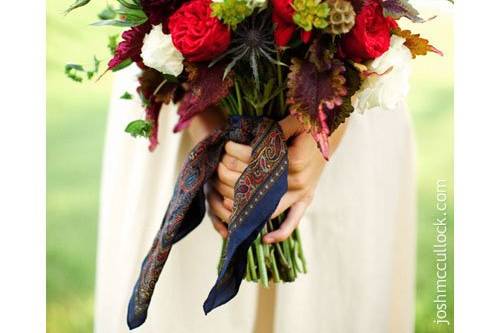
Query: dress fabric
pixel 359 236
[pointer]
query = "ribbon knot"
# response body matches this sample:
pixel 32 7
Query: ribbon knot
pixel 257 193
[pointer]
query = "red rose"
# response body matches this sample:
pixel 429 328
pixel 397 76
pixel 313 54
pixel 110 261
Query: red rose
pixel 285 26
pixel 196 34
pixel 371 35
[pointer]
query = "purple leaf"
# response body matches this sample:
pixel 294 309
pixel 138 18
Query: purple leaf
pixel 401 8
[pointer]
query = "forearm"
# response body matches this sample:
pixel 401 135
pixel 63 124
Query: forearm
pixel 335 139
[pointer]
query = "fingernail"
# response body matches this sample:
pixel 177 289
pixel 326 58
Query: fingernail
pixel 268 240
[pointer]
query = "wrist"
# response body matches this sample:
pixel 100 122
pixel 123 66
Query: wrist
pixel 205 123
pixel 335 139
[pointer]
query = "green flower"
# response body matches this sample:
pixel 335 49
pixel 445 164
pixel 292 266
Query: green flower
pixel 231 12
pixel 311 14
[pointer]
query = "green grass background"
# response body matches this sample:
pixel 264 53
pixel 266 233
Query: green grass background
pixel 76 119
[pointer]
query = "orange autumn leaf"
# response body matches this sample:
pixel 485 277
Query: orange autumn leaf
pixel 416 44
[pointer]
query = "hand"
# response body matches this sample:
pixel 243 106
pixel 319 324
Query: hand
pixel 200 127
pixel 305 168
pixel 220 191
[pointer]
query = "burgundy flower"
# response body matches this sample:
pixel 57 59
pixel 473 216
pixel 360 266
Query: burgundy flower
pixel 130 46
pixel 149 83
pixel 158 11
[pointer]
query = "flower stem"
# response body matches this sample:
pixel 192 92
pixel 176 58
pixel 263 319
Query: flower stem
pixel 248 277
pixel 274 268
pixel 281 255
pixel 288 254
pixel 238 97
pixel 251 262
pixel 261 262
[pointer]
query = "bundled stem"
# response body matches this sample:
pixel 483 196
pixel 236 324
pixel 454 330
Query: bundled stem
pixel 277 262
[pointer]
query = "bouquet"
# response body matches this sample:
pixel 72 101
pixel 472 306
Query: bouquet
pixel 256 61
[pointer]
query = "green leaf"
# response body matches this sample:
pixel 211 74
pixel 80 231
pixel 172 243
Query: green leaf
pixel 130 5
pixel 122 65
pixel 139 13
pixel 76 67
pixel 170 78
pixel 126 95
pixel 139 128
pixel 129 17
pixel 107 13
pixel 95 70
pixel 113 43
pixel 75 5
pixel 118 23
pixel 71 71
pixel 75 71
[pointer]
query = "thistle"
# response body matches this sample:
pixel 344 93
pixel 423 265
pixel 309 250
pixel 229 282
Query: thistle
pixel 252 40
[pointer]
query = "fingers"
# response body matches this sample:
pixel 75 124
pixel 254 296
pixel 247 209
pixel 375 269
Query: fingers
pixel 225 190
pixel 290 126
pixel 233 163
pixel 291 222
pixel 228 204
pixel 239 151
pixel 226 176
pixel 286 201
pixel 219 226
pixel 216 206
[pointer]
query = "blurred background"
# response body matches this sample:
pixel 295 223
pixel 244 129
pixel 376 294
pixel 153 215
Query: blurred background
pixel 76 121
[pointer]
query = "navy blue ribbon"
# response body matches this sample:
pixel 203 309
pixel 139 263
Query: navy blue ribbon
pixel 257 194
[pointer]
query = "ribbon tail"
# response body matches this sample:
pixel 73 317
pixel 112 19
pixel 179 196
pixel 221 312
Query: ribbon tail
pixel 185 212
pixel 257 194
pixel 229 281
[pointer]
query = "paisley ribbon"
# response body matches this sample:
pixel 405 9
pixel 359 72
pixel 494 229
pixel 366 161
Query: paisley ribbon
pixel 257 193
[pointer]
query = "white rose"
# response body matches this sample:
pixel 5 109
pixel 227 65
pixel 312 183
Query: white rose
pixel 159 52
pixel 386 90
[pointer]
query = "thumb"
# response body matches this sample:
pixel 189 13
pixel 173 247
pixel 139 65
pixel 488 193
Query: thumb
pixel 291 126
pixel 295 214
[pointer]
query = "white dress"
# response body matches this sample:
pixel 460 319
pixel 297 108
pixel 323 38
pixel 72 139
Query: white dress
pixel 358 234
